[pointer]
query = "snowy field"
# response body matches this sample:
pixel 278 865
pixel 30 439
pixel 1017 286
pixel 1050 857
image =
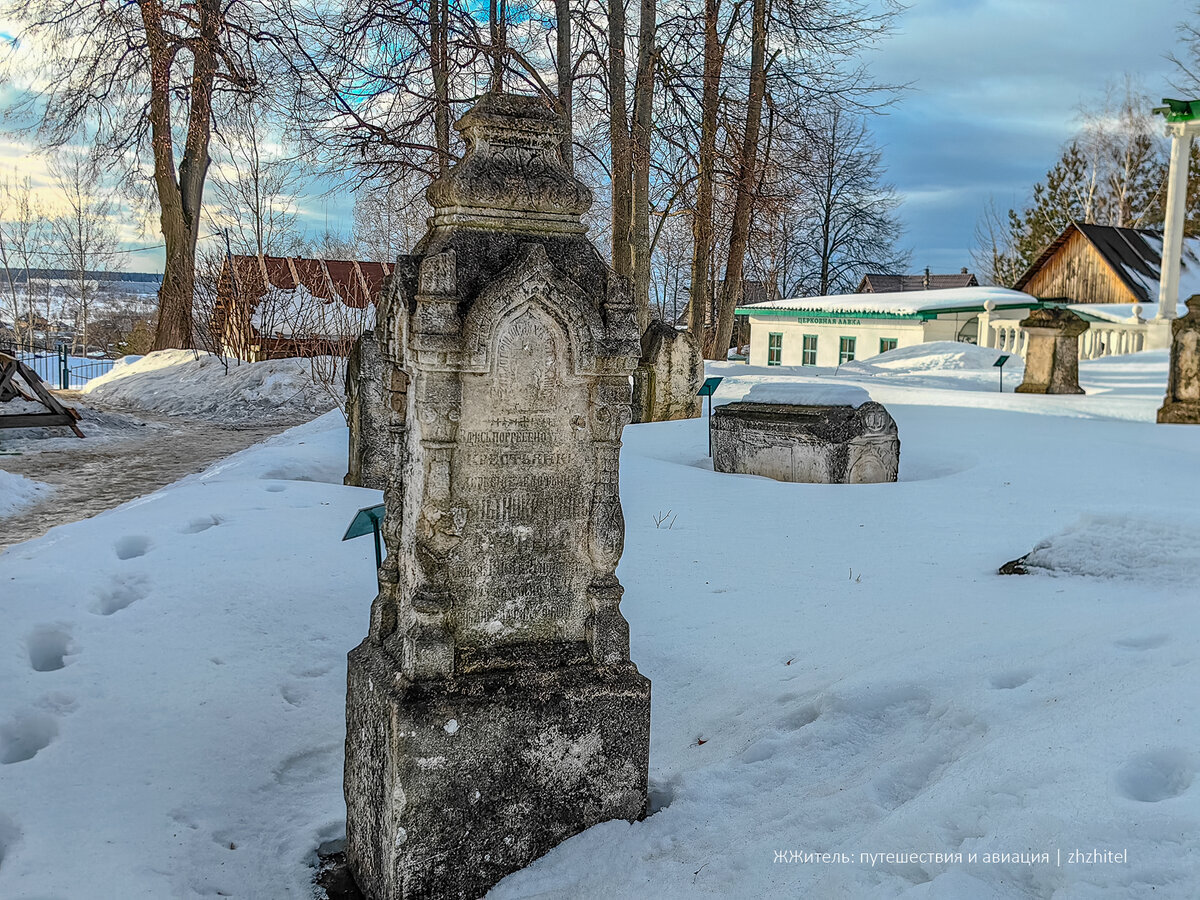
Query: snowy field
pixel 836 669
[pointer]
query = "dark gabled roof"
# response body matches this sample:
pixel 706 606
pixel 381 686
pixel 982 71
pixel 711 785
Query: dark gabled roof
pixel 1134 255
pixel 1135 260
pixel 874 283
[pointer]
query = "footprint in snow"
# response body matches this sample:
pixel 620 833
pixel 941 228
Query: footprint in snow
pixel 1007 681
pixel 48 646
pixel 131 546
pixel 202 524
pixel 1144 642
pixel 119 594
pixel 25 735
pixel 1156 776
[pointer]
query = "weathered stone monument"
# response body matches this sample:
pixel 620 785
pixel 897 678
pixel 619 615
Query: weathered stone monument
pixel 493 710
pixel 1182 403
pixel 1052 356
pixel 370 450
pixel 818 434
pixel 673 373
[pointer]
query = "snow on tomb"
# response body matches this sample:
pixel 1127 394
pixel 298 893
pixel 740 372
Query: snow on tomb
pixel 1182 403
pixel 807 432
pixel 493 710
pixel 1052 354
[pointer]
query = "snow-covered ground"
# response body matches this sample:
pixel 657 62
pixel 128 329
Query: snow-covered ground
pixel 200 385
pixel 18 492
pixel 836 669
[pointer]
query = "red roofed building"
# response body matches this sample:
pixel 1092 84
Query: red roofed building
pixel 269 307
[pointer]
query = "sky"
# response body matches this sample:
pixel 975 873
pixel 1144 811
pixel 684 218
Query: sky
pixel 995 91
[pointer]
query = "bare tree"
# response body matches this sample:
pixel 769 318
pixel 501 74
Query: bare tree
pixel 143 80
pixel 389 219
pixel 83 231
pixel 254 186
pixel 24 239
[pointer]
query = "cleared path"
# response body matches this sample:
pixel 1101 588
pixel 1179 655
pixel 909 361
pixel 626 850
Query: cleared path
pixel 91 478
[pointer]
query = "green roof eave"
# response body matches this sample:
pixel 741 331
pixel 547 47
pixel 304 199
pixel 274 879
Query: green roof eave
pixel 934 313
pixel 822 313
pixel 922 316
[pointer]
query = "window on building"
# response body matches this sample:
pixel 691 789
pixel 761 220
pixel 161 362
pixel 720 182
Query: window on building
pixel 808 353
pixel 886 344
pixel 774 348
pixel 845 350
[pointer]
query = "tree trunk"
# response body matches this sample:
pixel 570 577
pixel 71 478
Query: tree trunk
pixel 702 218
pixel 739 235
pixel 643 125
pixel 180 195
pixel 439 53
pixel 562 14
pixel 618 116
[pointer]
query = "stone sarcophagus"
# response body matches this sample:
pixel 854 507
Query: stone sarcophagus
pixel 815 434
pixel 493 710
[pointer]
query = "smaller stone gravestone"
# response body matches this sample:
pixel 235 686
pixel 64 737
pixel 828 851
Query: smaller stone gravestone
pixel 1052 355
pixel 1182 403
pixel 673 370
pixel 366 415
pixel 812 433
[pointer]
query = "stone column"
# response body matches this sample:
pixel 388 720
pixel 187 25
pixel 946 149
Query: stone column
pixel 493 710
pixel 1052 355
pixel 1182 403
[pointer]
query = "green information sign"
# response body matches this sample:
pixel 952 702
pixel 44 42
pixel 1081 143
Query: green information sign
pixel 707 390
pixel 367 521
pixel 999 364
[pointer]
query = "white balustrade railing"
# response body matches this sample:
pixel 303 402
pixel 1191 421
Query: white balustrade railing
pixel 1101 339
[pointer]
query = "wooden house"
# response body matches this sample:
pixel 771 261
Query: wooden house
pixel 1105 264
pixel 269 307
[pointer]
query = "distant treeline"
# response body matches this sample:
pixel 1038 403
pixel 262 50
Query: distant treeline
pixel 20 277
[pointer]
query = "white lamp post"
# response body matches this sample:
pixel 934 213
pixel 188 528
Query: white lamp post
pixel 1183 123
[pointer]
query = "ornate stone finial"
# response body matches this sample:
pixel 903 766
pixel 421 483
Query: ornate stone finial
pixel 989 306
pixel 512 177
pixel 1137 313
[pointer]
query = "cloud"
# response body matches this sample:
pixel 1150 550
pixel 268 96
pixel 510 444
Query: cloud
pixel 997 86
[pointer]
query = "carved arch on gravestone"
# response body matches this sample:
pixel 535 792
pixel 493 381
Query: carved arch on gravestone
pixel 533 275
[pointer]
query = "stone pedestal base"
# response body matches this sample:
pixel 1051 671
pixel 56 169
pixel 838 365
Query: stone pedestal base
pixel 1179 413
pixel 451 785
pixel 1052 355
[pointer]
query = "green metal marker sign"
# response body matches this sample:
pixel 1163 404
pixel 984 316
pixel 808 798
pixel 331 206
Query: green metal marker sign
pixel 707 390
pixel 999 364
pixel 367 521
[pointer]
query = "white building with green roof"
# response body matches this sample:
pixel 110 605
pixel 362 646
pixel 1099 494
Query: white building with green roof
pixel 828 331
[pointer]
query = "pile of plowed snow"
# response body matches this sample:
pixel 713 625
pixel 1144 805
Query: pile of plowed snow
pixel 933 357
pixel 202 386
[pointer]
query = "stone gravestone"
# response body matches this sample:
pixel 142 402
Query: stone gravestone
pixel 366 414
pixel 674 371
pixel 1182 403
pixel 493 710
pixel 1052 355
pixel 812 433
